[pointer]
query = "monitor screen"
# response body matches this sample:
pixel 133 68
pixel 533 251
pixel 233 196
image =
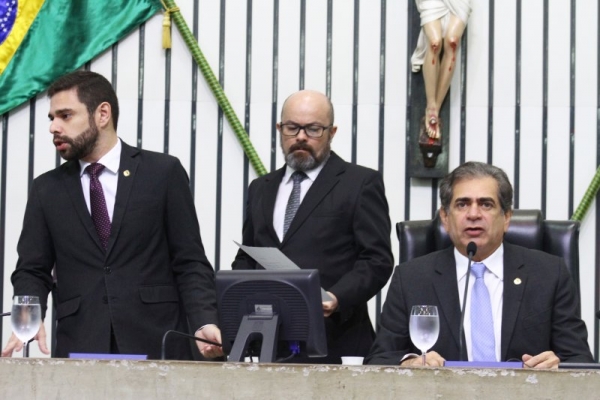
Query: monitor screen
pixel 280 309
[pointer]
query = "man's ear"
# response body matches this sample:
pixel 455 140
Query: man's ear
pixel 103 115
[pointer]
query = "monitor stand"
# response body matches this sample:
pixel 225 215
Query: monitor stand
pixel 256 326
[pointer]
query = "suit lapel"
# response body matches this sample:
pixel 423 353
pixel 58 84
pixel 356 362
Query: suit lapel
pixel 72 182
pixel 515 281
pixel 325 182
pixel 127 174
pixel 445 285
pixel 268 203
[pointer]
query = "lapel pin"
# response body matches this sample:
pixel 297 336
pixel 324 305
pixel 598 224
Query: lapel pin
pixel 126 172
pixel 517 281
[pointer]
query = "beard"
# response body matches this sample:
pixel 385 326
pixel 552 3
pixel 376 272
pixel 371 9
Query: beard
pixel 82 145
pixel 305 161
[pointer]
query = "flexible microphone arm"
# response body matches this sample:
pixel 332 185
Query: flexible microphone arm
pixel 471 250
pixel 5 314
pixel 164 341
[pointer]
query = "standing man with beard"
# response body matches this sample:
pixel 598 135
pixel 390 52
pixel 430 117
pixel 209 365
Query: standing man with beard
pixel 118 226
pixel 341 227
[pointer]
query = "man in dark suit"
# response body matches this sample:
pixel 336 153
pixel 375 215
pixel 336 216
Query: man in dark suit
pixel 533 306
pixel 342 226
pixel 124 243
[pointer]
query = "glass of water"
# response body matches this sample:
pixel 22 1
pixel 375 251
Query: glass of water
pixel 25 318
pixel 424 327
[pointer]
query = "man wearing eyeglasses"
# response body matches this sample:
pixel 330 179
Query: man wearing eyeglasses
pixel 325 214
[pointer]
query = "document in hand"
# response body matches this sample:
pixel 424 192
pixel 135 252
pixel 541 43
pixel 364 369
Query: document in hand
pixel 272 258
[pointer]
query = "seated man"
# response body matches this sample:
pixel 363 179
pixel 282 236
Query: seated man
pixel 530 300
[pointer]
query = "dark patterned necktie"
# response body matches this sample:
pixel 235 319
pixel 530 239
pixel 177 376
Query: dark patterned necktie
pixel 293 201
pixel 98 203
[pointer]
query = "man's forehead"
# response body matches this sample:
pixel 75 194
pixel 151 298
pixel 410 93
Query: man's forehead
pixel 476 188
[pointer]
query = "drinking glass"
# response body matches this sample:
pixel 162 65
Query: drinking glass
pixel 25 318
pixel 424 327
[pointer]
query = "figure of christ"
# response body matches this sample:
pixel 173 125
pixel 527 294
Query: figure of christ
pixel 442 25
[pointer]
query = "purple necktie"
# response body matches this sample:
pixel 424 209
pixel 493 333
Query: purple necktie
pixel 98 203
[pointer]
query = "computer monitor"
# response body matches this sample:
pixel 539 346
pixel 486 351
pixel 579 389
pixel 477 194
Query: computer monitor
pixel 280 309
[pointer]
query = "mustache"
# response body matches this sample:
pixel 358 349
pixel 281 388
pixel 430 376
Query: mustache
pixel 301 146
pixel 63 139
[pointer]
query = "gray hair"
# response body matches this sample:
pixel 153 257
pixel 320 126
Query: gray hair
pixel 473 169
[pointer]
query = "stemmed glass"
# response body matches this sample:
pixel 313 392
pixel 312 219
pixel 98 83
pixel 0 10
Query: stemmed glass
pixel 424 327
pixel 25 318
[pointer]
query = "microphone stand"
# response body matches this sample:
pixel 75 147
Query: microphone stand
pixel 187 335
pixel 470 253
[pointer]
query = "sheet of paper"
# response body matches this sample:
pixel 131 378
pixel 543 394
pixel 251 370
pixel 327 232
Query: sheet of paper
pixel 272 258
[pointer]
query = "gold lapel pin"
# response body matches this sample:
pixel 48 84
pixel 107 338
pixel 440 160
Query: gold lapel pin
pixel 517 281
pixel 126 172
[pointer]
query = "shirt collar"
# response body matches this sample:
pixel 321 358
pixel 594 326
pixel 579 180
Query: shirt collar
pixel 110 160
pixel 495 263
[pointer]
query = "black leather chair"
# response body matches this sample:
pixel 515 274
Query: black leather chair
pixel 527 228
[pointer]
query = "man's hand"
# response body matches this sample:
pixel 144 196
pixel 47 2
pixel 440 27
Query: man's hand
pixel 330 306
pixel 212 333
pixel 432 359
pixel 14 344
pixel 545 360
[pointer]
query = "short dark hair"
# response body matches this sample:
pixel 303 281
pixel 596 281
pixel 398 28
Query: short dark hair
pixel 92 90
pixel 473 169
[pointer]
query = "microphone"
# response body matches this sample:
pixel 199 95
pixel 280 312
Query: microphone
pixel 164 340
pixel 471 250
pixel 5 314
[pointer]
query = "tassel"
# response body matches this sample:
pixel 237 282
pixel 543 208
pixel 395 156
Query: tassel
pixel 166 40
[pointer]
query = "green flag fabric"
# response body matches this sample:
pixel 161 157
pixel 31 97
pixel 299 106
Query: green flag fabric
pixel 41 40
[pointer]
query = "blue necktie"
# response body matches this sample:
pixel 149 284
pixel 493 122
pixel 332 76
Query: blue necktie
pixel 483 346
pixel 293 201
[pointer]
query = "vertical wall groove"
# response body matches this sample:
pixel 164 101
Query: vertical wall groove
pixel 167 117
pixel 382 49
pixel 355 81
pixel 140 104
pixel 194 107
pixel 463 98
pixel 275 78
pixel 572 112
pixel 248 99
pixel 517 163
pixel 545 111
pixel 410 40
pixel 302 43
pixel 329 48
pixel 490 147
pixel 3 206
pixel 220 142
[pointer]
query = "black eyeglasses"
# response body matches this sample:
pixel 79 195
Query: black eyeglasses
pixel 312 130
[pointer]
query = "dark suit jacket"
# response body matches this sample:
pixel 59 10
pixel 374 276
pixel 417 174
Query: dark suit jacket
pixel 539 314
pixel 153 274
pixel 342 228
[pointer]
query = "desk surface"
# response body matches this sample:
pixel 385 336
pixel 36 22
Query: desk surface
pixel 103 379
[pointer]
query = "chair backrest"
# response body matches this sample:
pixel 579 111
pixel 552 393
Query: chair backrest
pixel 527 228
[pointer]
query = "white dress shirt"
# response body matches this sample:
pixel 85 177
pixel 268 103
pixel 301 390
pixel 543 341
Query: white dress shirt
pixel 283 195
pixel 108 178
pixel 493 278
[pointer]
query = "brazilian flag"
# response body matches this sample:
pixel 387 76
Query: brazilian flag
pixel 41 40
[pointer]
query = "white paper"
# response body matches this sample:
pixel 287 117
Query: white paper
pixel 273 259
